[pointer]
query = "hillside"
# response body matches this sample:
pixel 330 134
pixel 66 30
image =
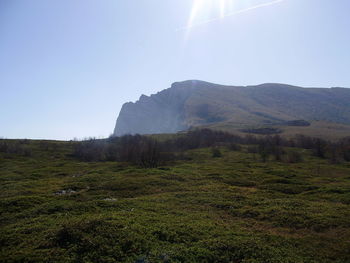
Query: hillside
pixel 234 208
pixel 195 103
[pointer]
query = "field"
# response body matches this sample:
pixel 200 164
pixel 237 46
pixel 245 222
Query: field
pixel 234 208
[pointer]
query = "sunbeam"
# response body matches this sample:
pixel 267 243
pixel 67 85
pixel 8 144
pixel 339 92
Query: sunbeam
pixel 222 8
pixel 225 9
pixel 195 8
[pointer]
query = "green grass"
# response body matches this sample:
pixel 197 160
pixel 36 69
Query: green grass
pixel 228 209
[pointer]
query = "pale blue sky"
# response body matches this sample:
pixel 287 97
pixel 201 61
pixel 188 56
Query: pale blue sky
pixel 67 66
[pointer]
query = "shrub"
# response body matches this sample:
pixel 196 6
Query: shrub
pixel 216 153
pixel 137 149
pixel 16 147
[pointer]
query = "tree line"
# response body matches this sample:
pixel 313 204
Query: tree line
pixel 18 147
pixel 149 152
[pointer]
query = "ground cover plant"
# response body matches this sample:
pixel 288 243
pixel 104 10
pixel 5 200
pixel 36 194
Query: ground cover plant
pixel 208 198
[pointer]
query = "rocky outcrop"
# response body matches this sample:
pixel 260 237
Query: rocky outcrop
pixel 159 113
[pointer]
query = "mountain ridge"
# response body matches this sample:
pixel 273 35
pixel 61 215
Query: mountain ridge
pixel 195 103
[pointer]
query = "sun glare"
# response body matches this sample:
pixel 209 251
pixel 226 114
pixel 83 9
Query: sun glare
pixel 207 11
pixel 222 8
pixel 219 6
pixel 197 4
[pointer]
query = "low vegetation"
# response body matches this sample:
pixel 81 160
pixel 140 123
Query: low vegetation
pixel 202 196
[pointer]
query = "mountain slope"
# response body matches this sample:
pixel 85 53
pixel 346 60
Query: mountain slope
pixel 196 103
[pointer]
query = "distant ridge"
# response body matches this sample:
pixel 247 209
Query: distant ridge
pixel 196 103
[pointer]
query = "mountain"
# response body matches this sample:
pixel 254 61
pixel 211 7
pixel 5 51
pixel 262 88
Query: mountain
pixel 277 107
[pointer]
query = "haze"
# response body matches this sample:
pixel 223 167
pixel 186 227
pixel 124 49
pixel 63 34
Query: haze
pixel 66 67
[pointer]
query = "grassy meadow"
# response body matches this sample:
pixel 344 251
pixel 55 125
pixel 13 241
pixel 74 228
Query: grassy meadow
pixel 233 208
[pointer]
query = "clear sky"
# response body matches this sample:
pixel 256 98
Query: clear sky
pixel 67 66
